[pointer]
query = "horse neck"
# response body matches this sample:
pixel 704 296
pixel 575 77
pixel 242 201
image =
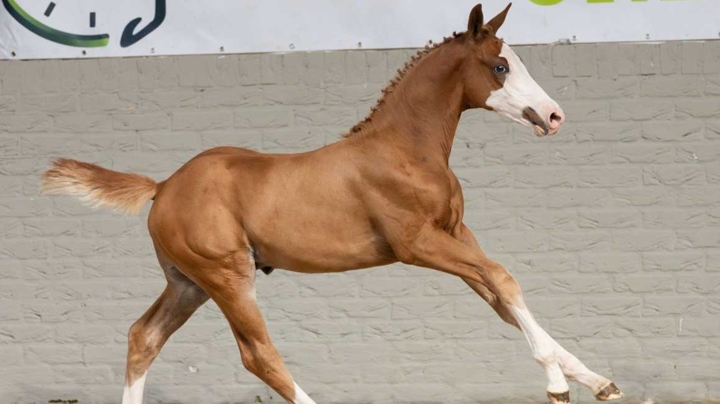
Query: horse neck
pixel 422 112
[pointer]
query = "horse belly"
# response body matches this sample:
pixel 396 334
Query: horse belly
pixel 320 246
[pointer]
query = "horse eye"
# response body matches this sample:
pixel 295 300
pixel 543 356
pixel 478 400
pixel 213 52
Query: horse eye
pixel 500 69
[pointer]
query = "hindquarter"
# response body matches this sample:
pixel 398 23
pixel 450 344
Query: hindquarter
pixel 191 220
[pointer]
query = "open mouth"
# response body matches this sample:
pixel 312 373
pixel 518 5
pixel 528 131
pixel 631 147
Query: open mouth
pixel 538 124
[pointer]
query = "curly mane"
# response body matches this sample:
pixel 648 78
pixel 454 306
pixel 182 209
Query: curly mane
pixel 401 73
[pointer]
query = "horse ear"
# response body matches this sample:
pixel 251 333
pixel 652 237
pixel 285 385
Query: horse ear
pixel 475 22
pixel 499 19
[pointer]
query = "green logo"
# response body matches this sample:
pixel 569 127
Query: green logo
pixel 128 38
pixel 546 2
pixel 554 2
pixel 52 34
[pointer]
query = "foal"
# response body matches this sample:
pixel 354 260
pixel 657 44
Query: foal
pixel 384 194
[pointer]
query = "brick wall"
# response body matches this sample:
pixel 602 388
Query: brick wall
pixel 612 227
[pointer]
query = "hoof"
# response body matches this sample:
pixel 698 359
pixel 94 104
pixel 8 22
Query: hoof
pixel 559 398
pixel 608 393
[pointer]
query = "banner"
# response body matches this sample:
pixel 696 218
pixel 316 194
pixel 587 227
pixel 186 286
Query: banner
pixel 32 29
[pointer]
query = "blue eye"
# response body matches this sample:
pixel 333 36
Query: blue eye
pixel 500 69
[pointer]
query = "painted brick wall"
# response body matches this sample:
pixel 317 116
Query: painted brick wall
pixel 612 227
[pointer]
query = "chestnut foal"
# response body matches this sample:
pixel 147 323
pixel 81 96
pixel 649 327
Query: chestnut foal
pixel 384 194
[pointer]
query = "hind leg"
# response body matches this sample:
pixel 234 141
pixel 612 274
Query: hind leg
pixel 180 299
pixel 234 292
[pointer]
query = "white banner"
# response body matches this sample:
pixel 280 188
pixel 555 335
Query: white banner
pixel 95 28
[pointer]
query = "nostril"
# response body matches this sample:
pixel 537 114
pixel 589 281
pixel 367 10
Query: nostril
pixel 555 119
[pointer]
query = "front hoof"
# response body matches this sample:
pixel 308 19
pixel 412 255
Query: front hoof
pixel 559 398
pixel 608 393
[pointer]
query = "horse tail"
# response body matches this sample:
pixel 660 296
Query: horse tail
pixel 98 186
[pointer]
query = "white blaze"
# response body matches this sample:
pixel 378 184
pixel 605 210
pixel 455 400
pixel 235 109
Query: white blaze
pixel 519 92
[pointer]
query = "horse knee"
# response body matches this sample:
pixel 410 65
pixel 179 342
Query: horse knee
pixel 140 342
pixel 250 362
pixel 502 284
pixel 544 353
pixel 256 358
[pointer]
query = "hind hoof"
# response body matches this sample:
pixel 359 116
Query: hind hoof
pixel 559 398
pixel 608 393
